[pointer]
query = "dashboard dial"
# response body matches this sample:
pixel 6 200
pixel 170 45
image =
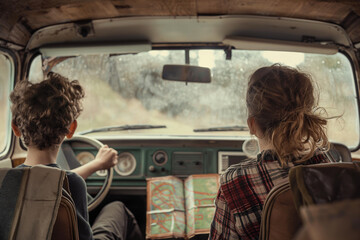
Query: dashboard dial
pixel 102 173
pixel 126 164
pixel 251 147
pixel 85 157
pixel 160 157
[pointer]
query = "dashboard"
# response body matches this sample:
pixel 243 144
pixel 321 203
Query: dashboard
pixel 140 159
pixel 145 158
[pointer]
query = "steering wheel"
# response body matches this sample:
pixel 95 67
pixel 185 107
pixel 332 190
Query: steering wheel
pixel 67 160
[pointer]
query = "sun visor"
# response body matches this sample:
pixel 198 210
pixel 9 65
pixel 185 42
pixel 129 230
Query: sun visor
pixel 93 49
pixel 280 45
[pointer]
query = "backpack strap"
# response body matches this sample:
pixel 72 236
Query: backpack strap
pixel 66 186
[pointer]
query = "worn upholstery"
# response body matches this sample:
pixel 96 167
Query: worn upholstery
pixel 30 199
pixel 66 227
pixel 331 221
pixel 328 197
pixel 328 184
pixel 280 220
pixel 325 183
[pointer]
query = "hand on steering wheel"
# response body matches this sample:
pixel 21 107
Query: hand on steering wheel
pixel 67 158
pixel 106 158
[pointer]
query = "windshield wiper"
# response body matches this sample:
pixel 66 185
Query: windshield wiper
pixel 121 128
pixel 222 129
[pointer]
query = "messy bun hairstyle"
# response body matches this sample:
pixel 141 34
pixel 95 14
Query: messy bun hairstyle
pixel 282 101
pixel 44 111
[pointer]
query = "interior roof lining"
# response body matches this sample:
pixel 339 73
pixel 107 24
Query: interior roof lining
pixel 190 30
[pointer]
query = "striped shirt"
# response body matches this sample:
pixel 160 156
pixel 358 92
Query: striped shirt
pixel 242 193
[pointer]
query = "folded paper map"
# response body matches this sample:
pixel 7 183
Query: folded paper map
pixel 179 208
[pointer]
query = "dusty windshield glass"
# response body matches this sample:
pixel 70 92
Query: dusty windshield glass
pixel 128 90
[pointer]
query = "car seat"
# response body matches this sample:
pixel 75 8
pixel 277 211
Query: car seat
pixel 338 152
pixel 65 227
pixel 34 203
pixel 309 185
pixel 279 219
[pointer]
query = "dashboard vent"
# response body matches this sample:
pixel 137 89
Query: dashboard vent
pixel 226 159
pixel 187 163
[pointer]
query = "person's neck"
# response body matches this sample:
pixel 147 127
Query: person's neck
pixel 45 156
pixel 265 144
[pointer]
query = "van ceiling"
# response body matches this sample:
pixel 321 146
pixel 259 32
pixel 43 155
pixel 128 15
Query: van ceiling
pixel 20 19
pixel 192 30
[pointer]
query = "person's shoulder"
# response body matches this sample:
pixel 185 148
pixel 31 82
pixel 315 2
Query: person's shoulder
pixel 319 157
pixel 247 163
pixel 74 176
pixel 237 170
pixel 250 166
pixel 21 166
pixel 75 180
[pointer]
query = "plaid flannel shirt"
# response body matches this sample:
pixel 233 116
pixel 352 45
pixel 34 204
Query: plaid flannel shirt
pixel 242 193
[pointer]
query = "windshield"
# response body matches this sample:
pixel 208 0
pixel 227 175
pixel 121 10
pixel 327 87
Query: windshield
pixel 129 90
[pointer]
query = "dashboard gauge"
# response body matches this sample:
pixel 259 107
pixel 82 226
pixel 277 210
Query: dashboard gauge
pixel 251 147
pixel 85 157
pixel 160 157
pixel 126 164
pixel 101 173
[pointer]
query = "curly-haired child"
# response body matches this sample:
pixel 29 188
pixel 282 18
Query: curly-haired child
pixel 43 114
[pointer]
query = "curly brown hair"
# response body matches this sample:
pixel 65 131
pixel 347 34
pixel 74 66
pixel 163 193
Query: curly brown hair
pixel 44 111
pixel 283 103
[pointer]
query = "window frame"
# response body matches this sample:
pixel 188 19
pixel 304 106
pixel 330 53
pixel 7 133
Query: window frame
pixel 9 143
pixel 347 54
pixel 354 63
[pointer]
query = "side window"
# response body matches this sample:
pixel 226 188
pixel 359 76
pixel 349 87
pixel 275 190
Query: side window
pixel 6 83
pixel 36 73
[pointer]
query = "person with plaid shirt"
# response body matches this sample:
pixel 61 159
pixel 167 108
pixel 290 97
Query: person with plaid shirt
pixel 284 116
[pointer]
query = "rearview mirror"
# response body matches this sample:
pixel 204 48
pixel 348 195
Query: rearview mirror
pixel 186 73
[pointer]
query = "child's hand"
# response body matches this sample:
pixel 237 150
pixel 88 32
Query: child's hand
pixel 106 158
